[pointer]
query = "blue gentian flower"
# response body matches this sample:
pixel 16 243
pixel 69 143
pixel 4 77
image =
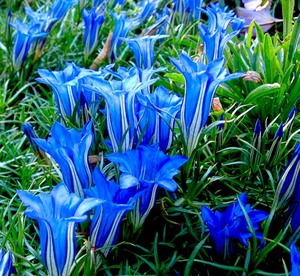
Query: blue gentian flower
pixel 58 214
pixel 147 7
pixel 287 188
pixel 295 260
pixel 59 8
pixel 120 108
pixel 188 7
pixel 24 40
pixel 201 82
pixel 150 169
pixel 157 117
pixel 255 152
pixel 143 49
pixel 67 88
pixel 216 35
pixel 6 263
pixel 273 153
pixel 123 25
pixel 108 216
pixel 93 20
pixel 232 224
pixel 70 149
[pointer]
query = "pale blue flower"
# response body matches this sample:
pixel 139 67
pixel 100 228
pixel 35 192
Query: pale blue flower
pixel 70 149
pixel 231 224
pixel 150 169
pixel 201 82
pixel 93 20
pixel 58 214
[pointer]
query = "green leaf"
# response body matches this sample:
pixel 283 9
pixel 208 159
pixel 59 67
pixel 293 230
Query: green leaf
pixel 175 77
pixel 261 91
pixel 287 14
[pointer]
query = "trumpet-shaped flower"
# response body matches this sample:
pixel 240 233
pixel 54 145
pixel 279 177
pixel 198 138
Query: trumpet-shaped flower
pixel 60 7
pixel 150 169
pixel 295 260
pixel 108 217
pixel 157 117
pixel 58 214
pixel 24 40
pixel 67 88
pixel 232 224
pixel 6 263
pixel 93 20
pixel 70 149
pixel 201 82
pixel 123 25
pixel 216 35
pixel 188 7
pixel 120 108
pixel 143 49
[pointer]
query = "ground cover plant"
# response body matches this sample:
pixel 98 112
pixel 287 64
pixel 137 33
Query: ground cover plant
pixel 149 137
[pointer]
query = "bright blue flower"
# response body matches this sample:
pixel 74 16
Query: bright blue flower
pixel 201 82
pixel 120 108
pixel 147 7
pixel 188 7
pixel 157 118
pixel 70 149
pixel 123 25
pixel 232 224
pixel 67 88
pixel 143 49
pixel 58 214
pixel 6 263
pixel 93 20
pixel 295 260
pixel 59 8
pixel 24 40
pixel 108 217
pixel 216 35
pixel 150 169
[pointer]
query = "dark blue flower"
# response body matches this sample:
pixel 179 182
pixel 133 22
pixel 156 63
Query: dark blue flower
pixel 93 20
pixel 150 169
pixel 295 260
pixel 6 263
pixel 70 149
pixel 232 224
pixel 201 82
pixel 24 40
pixel 58 214
pixel 108 217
